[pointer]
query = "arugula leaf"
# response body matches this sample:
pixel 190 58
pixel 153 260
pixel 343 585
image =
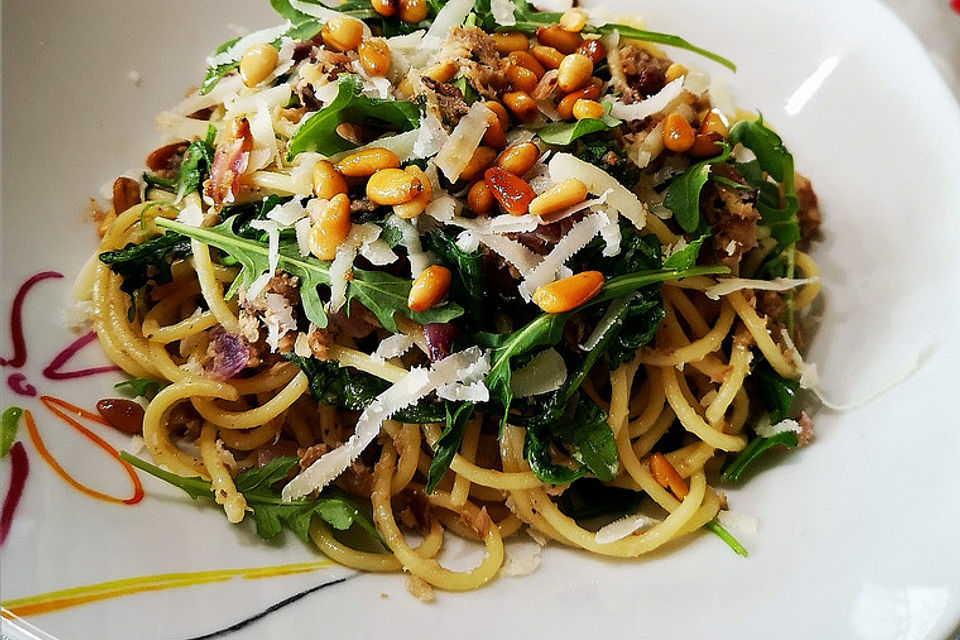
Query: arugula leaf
pixel 469 94
pixel 448 443
pixel 336 386
pixel 609 156
pixel 736 467
pixel 632 33
pixel 628 283
pixel 715 527
pixel 466 285
pixel 383 294
pixel 270 512
pixel 638 326
pixel 196 163
pixel 536 450
pixel 589 498
pixel 140 387
pixel 588 438
pixel 9 421
pixel 686 257
pixel 138 264
pixel 528 19
pixel 777 392
pixel 564 133
pixel 319 132
pixel 683 194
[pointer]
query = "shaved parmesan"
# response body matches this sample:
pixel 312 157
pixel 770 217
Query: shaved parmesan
pixel 646 108
pixel 342 264
pixel 324 14
pixel 598 181
pixel 237 49
pixel 409 389
pixel 625 526
pixel 431 136
pixel 503 12
pixel 764 429
pixel 466 136
pixel 729 285
pixel 447 19
pixel 517 563
pixel 740 521
pixel 393 346
pixel 191 215
pixel 257 286
pixel 576 239
pixel 273 241
pixel 557 216
pixel 512 251
pixel 410 239
pixel 287 213
pixel 558 6
pixel 545 373
pixel 278 318
pixel 401 145
pixel 196 101
pixel 378 253
pixel 468 242
pixel 606 321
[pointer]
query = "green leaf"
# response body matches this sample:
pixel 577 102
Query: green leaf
pixel 589 498
pixel 564 133
pixel 683 194
pixel 9 421
pixel 609 156
pixel 756 448
pixel 383 294
pixel 686 257
pixel 714 527
pixel 587 437
pixel 196 163
pixel 536 450
pixel 469 94
pixel 140 387
pixel 632 33
pixel 448 443
pixel 274 471
pixel 466 285
pixel 319 132
pixel 148 261
pixel 194 487
pixel 777 392
pixel 628 283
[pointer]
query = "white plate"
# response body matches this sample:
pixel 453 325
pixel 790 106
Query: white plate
pixel 858 534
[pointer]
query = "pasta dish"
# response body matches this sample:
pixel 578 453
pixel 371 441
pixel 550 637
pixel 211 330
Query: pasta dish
pixel 405 268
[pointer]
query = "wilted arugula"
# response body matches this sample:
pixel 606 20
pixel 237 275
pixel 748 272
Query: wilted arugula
pixel 139 264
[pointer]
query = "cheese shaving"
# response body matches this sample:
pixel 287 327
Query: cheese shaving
pixel 456 152
pixel 625 526
pixel 502 11
pixel 598 181
pixel 342 263
pixel 273 241
pixel 278 318
pixel 646 108
pixel 237 49
pixel 401 145
pixel 410 239
pixel 431 136
pixel 393 346
pixel 576 239
pixel 324 14
pixel 288 213
pixel 729 285
pixel 545 373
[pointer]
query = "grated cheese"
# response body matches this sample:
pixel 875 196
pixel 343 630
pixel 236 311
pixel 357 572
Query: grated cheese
pixel 503 12
pixel 191 215
pixel 278 318
pixel 739 521
pixel 456 152
pixel 729 285
pixel 342 263
pixel 625 526
pixel 302 228
pixel 545 373
pixel 273 241
pixel 576 239
pixel 392 346
pixel 431 136
pixel 598 181
pixel 287 213
pixel 646 108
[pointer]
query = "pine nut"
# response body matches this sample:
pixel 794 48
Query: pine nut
pixel 555 36
pixel 547 56
pixel 442 71
pixel 374 56
pixel 393 186
pixel 565 107
pixel 501 112
pixel 386 8
pixel 521 105
pixel 413 11
pixel 558 197
pixel 527 61
pixel 480 198
pixel 674 71
pixel 713 123
pixel 518 158
pixel 367 162
pixel 573 20
pixel 257 63
pixel 513 193
pixel 677 133
pixel 327 181
pixel 587 109
pixel 494 136
pixel 508 41
pixel 481 159
pixel 342 33
pixel 569 293
pixel 331 228
pixel 521 79
pixel 574 72
pixel 666 475
pixel 705 145
pixel 429 288
pixel 350 132
pixel 594 50
pixel 416 206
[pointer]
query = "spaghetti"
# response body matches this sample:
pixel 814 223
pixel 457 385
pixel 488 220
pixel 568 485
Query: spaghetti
pixel 459 277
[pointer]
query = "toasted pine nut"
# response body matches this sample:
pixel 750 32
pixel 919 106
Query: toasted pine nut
pixel 674 71
pixel 569 293
pixel 482 158
pixel 327 181
pixel 507 41
pixel 350 132
pixel 573 20
pixel 705 145
pixel 521 105
pixel 594 50
pixel 527 61
pixel 555 36
pixel 416 206
pixel 442 71
pixel 512 192
pixel 331 228
pixel 666 475
pixel 518 158
pixel 413 11
pixel 565 107
pixel 521 79
pixel 560 196
pixel 429 288
pixel 501 112
pixel 547 56
pixel 374 56
pixel 126 193
pixel 404 89
pixel 677 133
pixel 386 8
pixel 587 109
pixel 480 199
pixel 342 33
pixel 257 63
pixel 494 136
pixel 367 162
pixel 393 186
pixel 713 123
pixel 574 72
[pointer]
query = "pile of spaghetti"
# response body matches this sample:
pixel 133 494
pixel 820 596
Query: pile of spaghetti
pixel 408 267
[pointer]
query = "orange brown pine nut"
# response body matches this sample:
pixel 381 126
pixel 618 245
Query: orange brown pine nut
pixel 386 8
pixel 594 50
pixel 413 11
pixel 547 56
pixel 327 181
pixel 527 61
pixel 565 106
pixel 480 199
pixel 512 192
pixel 666 475
pixel 429 288
pixel 677 133
pixel 518 158
pixel 521 79
pixel 374 56
pixel 331 228
pixel 507 41
pixel 583 108
pixel 558 197
pixel 257 63
pixel 361 164
pixel 521 105
pixel 482 158
pixel 573 20
pixel 416 206
pixel 574 72
pixel 393 186
pixel 555 36
pixel 569 293
pixel 342 33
